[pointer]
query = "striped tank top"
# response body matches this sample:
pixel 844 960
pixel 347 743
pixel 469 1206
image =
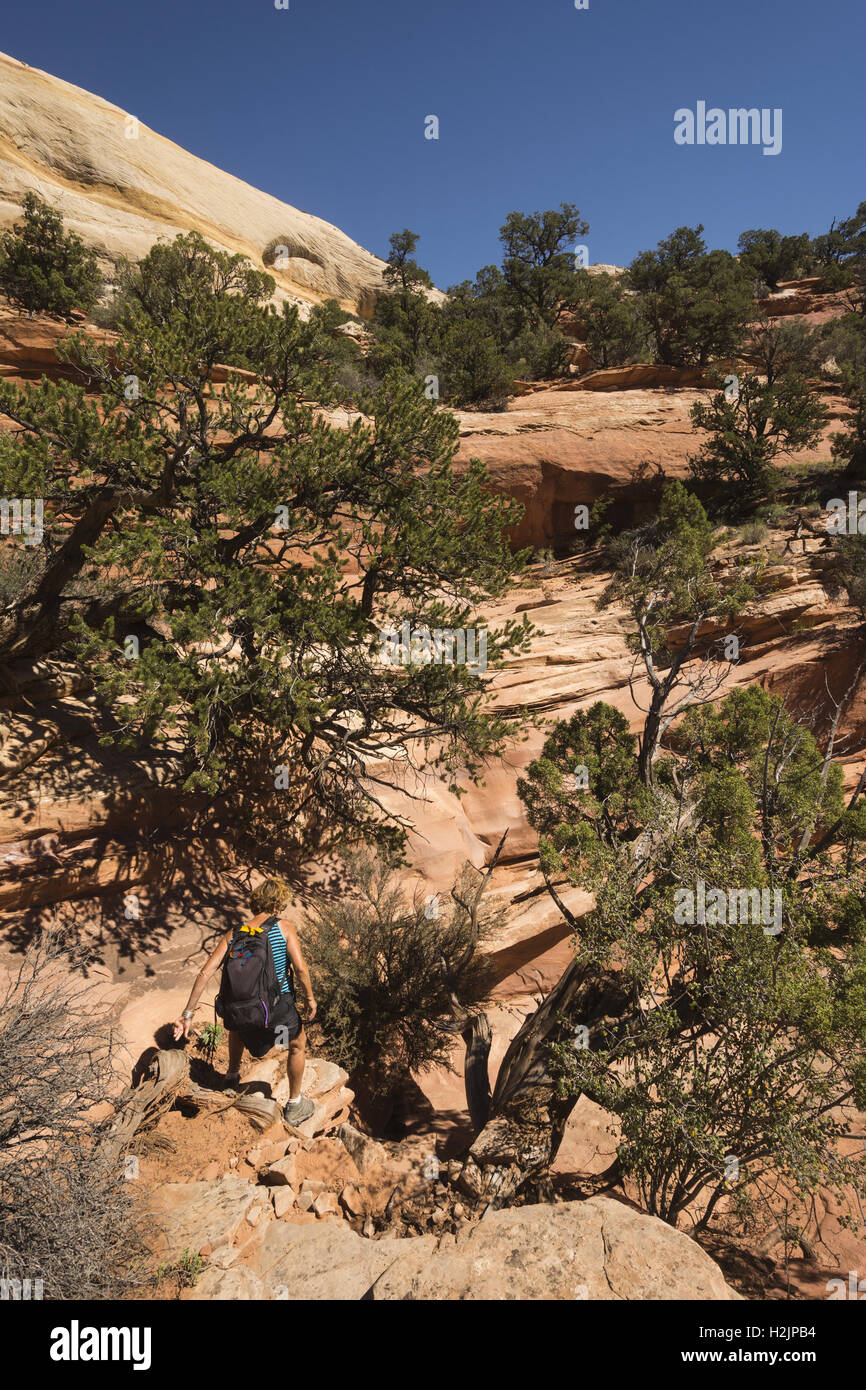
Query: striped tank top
pixel 280 955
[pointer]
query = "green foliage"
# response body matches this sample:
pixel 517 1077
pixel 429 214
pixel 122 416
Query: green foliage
pixel 473 369
pixel 256 553
pixel 210 1038
pixel 846 570
pixel 844 339
pixel 754 531
pixel 44 269
pixel 783 347
pixel 500 326
pixel 388 974
pixel 773 257
pixel 595 746
pixel 664 576
pixel 841 254
pixel 537 353
pixel 741 1042
pixel 402 272
pixel 538 263
pixel 684 304
pixel 680 608
pixel 482 301
pixel 171 283
pixel 749 431
pixel 849 445
pixel 405 322
pixel 694 302
pixel 337 350
pixel 530 350
pixel 611 322
pixel 846 342
pixel 185 1269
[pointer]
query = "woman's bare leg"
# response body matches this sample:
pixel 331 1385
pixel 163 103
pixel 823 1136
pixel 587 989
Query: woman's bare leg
pixel 295 1064
pixel 236 1053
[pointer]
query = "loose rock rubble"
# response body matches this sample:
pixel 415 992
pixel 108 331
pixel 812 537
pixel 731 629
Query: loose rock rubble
pixel 336 1215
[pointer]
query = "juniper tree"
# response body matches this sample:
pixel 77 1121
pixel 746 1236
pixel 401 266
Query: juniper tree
pixel 472 367
pixel 529 350
pixel 782 347
pixel 773 257
pixel 728 916
pixel 664 576
pixel 694 302
pixel 846 341
pixel 504 324
pixel 849 445
pixel 538 263
pixel 708 1037
pixel 841 253
pixel 611 323
pixel 716 1004
pixel 223 561
pixel 751 427
pixel 406 323
pixel 42 267
pixel 402 271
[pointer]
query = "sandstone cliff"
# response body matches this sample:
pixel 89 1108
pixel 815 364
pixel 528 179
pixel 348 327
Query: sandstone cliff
pixel 121 187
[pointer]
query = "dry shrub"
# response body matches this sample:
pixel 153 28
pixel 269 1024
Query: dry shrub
pixel 393 978
pixel 67 1213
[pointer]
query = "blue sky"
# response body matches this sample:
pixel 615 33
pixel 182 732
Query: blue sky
pixel 324 105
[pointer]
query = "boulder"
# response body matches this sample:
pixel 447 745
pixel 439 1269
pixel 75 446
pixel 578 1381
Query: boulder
pixel 327 1204
pixel 323 1082
pixel 328 1112
pixel 326 1261
pixel 190 1215
pixel 352 329
pixel 598 1249
pixel 283 1199
pixel 321 1077
pixel 365 1152
pixel 283 1172
pixel 351 1200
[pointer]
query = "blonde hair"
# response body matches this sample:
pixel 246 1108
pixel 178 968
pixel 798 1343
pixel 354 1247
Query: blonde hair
pixel 272 896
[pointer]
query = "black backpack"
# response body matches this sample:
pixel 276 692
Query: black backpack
pixel 249 993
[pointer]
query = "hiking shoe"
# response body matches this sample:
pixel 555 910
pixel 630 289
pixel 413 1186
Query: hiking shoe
pixel 231 1081
pixel 296 1111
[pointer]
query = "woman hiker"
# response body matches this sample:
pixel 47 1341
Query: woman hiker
pixel 245 951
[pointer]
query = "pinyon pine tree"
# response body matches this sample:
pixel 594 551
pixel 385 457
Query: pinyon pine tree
pixel 222 561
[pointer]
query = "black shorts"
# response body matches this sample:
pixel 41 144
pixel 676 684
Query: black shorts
pixel 259 1041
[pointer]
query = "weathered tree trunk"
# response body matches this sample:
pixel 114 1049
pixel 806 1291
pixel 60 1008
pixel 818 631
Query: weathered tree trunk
pixel 522 1134
pixel 478 1037
pixel 37 621
pixel 650 737
pixel 164 1076
pixel 26 622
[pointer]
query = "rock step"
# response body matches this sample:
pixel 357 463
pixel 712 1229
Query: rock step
pixel 597 1249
